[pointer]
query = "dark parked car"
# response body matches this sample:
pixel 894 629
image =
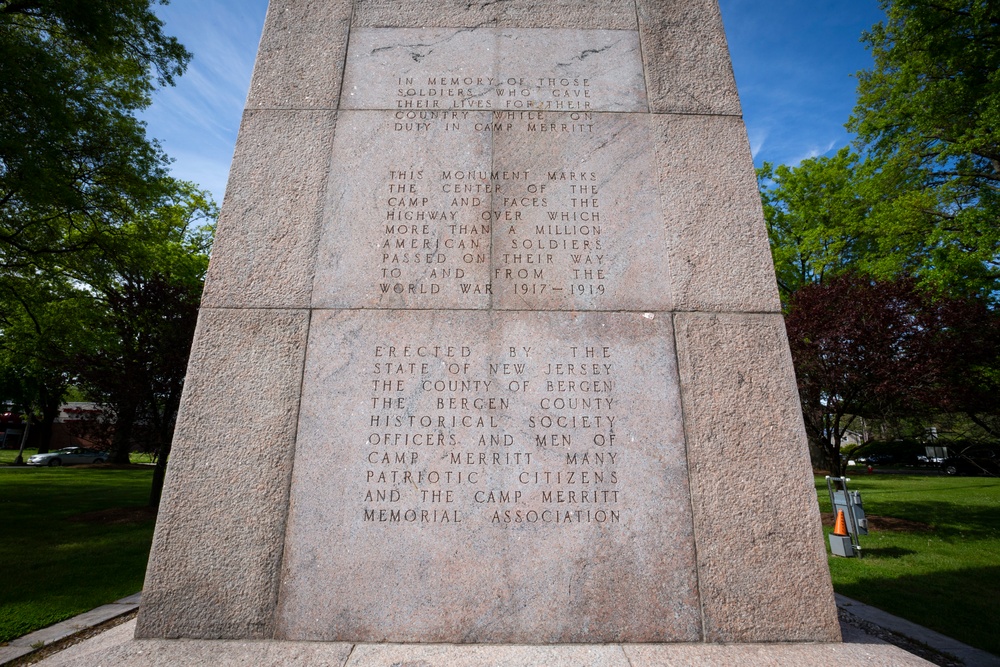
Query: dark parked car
pixel 974 460
pixel 877 459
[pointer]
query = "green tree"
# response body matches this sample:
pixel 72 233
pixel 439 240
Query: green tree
pixel 87 208
pixel 815 218
pixel 75 164
pixel 45 322
pixel 116 319
pixel 73 157
pixel 928 118
pixel 918 206
pixel 147 280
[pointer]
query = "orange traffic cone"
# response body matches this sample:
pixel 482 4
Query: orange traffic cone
pixel 840 527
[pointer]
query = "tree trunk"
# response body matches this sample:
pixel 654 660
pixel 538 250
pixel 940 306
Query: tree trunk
pixel 19 459
pixel 121 441
pixel 166 422
pixel 50 410
pixel 836 464
pixel 982 424
pixel 159 474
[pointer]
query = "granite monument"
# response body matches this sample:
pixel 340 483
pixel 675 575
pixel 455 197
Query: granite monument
pixel 490 350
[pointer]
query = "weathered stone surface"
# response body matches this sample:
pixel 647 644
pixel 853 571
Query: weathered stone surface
pixel 374 205
pixel 439 478
pixel 591 15
pixel 556 211
pixel 213 569
pixel 762 570
pixel 301 56
pixel 116 648
pixel 94 650
pixel 11 653
pixel 266 241
pixel 369 655
pixel 719 255
pixel 771 655
pixel 591 236
pixel 440 69
pixel 687 61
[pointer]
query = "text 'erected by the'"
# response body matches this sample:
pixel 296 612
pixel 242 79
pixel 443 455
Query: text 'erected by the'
pixel 459 435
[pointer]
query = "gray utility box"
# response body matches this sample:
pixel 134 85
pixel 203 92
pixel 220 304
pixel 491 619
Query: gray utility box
pixel 848 502
pixel 845 501
pixel 842 546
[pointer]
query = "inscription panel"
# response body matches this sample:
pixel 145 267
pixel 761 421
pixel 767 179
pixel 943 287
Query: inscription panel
pixel 486 69
pixel 591 234
pixel 515 477
pixel 505 209
pixel 407 222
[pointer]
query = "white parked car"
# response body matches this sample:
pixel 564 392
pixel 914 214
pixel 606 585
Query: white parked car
pixel 68 456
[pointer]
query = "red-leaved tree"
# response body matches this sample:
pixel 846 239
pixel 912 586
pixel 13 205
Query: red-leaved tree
pixel 886 350
pixel 962 343
pixel 859 348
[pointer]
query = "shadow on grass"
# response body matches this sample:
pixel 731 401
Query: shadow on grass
pixel 886 552
pixel 945 518
pixel 960 604
pixel 71 539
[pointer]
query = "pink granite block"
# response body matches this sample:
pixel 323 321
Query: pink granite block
pixel 270 222
pixel 489 477
pixel 762 568
pixel 719 256
pixel 687 62
pixel 578 14
pixel 300 61
pixel 213 569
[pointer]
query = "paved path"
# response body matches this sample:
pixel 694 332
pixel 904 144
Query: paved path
pixel 967 655
pixel 46 636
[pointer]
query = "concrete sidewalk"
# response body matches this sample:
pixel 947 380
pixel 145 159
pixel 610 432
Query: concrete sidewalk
pixel 38 639
pixel 963 653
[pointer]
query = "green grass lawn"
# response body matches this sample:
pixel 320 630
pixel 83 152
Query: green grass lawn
pixel 7 456
pixel 56 565
pixel 945 577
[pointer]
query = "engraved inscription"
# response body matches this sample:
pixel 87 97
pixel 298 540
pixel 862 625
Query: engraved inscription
pixel 594 243
pixel 531 218
pixel 494 450
pixel 567 237
pixel 456 434
pixel 489 178
pixel 495 92
pixel 443 220
pixel 426 247
pixel 494 69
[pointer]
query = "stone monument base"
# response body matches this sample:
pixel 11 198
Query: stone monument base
pixel 118 648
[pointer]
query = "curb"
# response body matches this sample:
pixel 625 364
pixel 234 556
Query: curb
pixel 39 639
pixel 967 655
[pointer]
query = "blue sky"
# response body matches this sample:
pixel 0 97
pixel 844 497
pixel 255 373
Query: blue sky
pixel 794 62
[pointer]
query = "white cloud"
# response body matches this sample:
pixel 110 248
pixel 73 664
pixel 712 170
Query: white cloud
pixel 757 136
pixel 198 119
pixel 812 152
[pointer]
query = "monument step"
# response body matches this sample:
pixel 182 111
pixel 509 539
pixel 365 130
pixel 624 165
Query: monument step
pixel 117 648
